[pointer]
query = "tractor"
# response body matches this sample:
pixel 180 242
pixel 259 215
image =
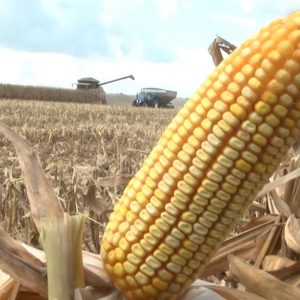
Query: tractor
pixel 154 97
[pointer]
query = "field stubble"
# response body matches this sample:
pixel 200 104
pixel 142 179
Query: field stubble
pixel 78 145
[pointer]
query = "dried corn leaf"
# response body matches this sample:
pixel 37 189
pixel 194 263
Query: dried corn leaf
pixel 260 282
pixel 201 290
pixel 293 280
pixel 262 220
pixel 37 253
pixel 61 234
pixel 278 182
pixel 7 285
pixel 292 233
pixel 261 207
pixel 273 263
pixel 280 204
pixel 93 203
pixel 113 181
pixel 290 192
pixel 27 295
pixel 272 208
pixel 234 294
pixel 92 293
pixel 282 268
pixel 246 245
pixel 271 241
pixel 94 272
pixel 295 205
pixel 21 265
pixel 43 201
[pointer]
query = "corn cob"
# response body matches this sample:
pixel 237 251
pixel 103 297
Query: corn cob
pixel 207 167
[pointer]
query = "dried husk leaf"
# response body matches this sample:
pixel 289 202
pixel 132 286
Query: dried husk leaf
pixel 21 265
pixel 271 241
pixel 280 204
pixel 273 263
pixel 290 191
pixel 92 293
pixel 246 245
pixel 292 233
pixel 27 295
pixel 7 285
pixel 278 182
pixel 259 207
pixel 94 271
pixel 201 290
pixel 260 282
pixel 293 280
pixel 285 269
pixel 272 208
pixel 295 205
pixel 261 220
pixel 230 293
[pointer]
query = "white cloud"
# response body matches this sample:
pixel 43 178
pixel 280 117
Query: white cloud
pixel 114 10
pixel 248 6
pixel 259 6
pixel 240 21
pixel 20 67
pixel 289 5
pixel 186 4
pixel 54 8
pixel 58 70
pixel 108 14
pixel 128 43
pixel 167 8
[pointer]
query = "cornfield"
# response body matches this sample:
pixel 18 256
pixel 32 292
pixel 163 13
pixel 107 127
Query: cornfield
pixel 40 93
pixel 88 153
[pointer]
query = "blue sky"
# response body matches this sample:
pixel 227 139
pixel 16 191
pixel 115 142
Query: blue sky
pixel 163 43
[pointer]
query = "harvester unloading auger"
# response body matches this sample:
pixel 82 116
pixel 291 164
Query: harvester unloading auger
pixel 90 83
pixel 216 46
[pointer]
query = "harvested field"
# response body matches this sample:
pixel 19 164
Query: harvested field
pixel 89 153
pixel 79 145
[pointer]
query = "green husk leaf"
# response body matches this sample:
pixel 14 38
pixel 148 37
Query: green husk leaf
pixel 62 239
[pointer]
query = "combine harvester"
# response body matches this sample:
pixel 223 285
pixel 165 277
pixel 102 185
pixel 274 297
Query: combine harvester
pixel 92 84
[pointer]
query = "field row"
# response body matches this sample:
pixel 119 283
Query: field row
pixel 78 145
pixel 13 91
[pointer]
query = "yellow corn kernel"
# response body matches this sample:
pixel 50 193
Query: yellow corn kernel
pixel 211 160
